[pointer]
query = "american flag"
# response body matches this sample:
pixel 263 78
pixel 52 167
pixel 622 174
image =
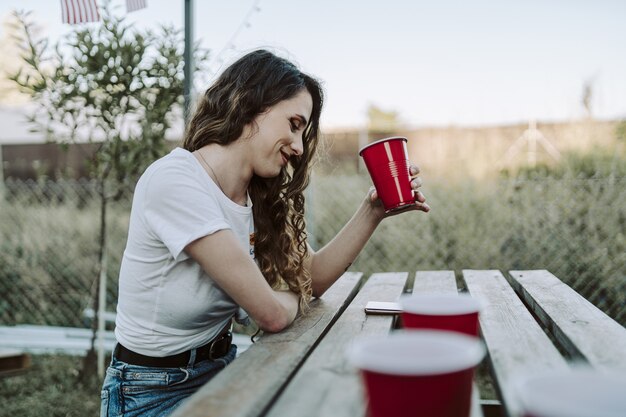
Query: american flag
pixel 132 5
pixel 79 11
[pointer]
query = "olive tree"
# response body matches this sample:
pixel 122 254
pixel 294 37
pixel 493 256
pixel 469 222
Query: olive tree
pixel 111 85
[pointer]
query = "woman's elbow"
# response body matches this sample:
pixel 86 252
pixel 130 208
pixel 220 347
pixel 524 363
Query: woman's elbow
pixel 273 327
pixel 318 293
pixel 274 323
pixel 318 290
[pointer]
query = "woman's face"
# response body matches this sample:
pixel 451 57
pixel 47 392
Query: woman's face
pixel 278 134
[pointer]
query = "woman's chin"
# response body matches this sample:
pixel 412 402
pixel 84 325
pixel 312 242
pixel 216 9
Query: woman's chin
pixel 271 173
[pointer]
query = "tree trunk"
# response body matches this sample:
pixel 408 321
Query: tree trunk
pixel 90 361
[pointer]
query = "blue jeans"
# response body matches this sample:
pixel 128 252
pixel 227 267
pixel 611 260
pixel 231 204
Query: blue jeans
pixel 132 390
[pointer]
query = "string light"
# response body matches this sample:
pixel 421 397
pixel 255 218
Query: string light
pixel 245 24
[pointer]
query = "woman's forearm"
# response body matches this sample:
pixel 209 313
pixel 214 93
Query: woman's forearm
pixel 330 262
pixel 290 303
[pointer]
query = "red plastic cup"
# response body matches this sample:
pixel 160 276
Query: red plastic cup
pixel 387 162
pixel 418 373
pixel 577 392
pixel 454 312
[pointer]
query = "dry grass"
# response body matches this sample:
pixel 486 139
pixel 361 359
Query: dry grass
pixel 50 388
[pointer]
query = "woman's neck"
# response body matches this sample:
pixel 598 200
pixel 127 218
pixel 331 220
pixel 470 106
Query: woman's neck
pixel 227 166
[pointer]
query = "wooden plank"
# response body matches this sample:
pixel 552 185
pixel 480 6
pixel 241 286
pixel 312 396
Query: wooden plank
pixel 516 344
pixel 444 282
pixel 434 281
pixel 326 385
pixel 13 361
pixel 248 385
pixel 581 328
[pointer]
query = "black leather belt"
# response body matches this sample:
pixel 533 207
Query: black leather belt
pixel 215 349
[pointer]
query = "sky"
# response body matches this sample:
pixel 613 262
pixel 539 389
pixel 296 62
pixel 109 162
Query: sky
pixel 435 63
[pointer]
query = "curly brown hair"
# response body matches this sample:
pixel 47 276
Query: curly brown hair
pixel 247 88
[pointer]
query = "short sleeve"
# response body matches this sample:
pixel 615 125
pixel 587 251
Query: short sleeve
pixel 179 208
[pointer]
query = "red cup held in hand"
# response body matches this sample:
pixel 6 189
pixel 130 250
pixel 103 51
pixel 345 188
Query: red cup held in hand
pixel 387 162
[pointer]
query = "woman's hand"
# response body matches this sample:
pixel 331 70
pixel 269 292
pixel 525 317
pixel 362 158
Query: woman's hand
pixel 420 200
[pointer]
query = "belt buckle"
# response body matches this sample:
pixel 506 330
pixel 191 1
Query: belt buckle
pixel 223 341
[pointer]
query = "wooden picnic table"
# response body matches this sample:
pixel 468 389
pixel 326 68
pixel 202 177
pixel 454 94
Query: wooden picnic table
pixel 531 322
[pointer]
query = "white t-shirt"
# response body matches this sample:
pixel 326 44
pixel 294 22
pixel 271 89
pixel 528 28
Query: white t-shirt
pixel 167 303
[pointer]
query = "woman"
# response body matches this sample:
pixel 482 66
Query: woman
pixel 217 232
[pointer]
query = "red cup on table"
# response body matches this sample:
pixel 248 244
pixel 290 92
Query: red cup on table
pixel 418 373
pixel 453 312
pixel 387 162
pixel 577 392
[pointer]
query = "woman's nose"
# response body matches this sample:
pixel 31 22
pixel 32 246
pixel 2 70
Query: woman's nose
pixel 297 146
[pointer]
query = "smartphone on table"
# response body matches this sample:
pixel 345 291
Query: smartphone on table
pixel 382 307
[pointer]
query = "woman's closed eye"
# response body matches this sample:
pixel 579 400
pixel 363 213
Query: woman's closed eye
pixel 294 124
pixel 297 122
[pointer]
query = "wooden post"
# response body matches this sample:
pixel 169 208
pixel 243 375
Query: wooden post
pixel 102 297
pixel 1 174
pixel 188 58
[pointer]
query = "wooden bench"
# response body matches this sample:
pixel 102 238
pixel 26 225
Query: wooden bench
pixel 13 362
pixel 303 371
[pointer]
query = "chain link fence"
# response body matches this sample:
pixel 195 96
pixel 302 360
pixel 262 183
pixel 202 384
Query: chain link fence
pixel 49 249
pixel 575 228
